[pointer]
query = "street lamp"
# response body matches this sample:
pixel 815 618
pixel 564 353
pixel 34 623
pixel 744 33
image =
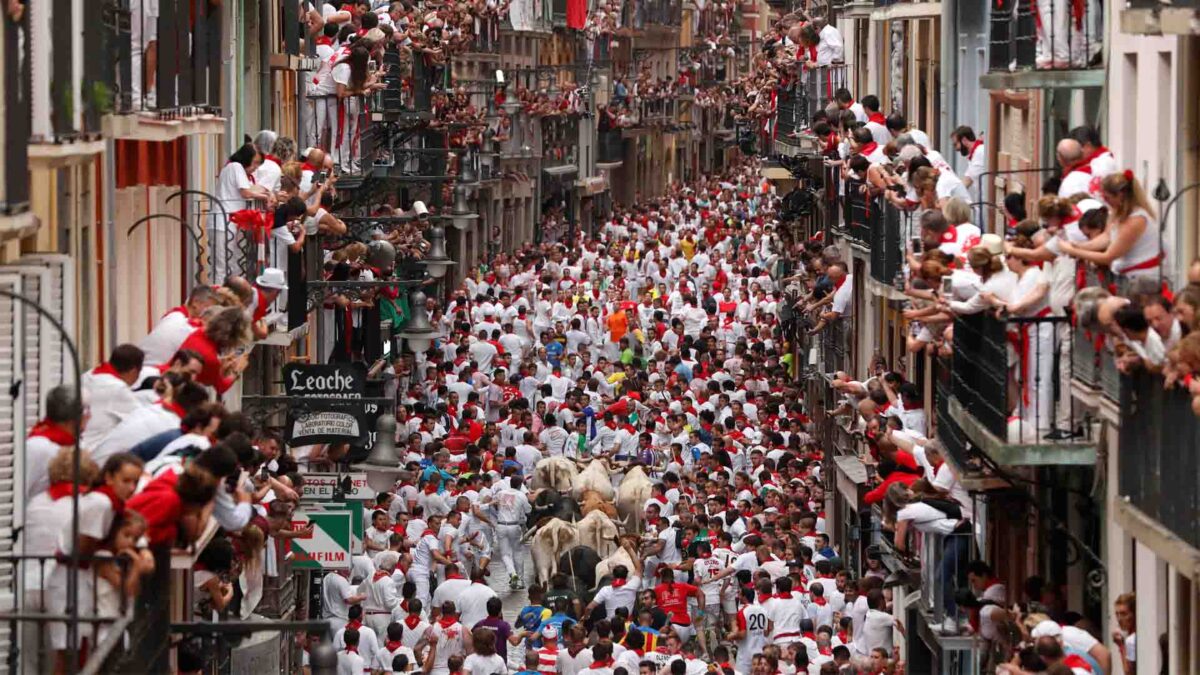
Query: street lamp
pixel 436 261
pixel 461 216
pixel 382 466
pixel 418 331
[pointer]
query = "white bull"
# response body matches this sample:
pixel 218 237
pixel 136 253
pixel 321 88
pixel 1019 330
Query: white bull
pixel 548 543
pixel 594 477
pixel 599 532
pixel 632 494
pixel 557 473
pixel 619 557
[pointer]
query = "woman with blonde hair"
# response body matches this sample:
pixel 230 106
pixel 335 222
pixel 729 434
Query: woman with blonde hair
pixel 997 285
pixel 1131 245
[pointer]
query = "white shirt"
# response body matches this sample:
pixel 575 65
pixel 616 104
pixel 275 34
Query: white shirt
pixel 950 185
pixel 876 632
pixel 350 663
pixel 109 400
pixel 475 664
pixel 976 164
pixel 615 598
pixel 168 335
pixel 472 603
pixel 268 174
pixel 230 183
pixel 335 591
pixel 39 450
pixel 843 296
pixel 1075 182
pixel 368 644
pixel 1143 252
pixel 146 421
pixel 926 519
pixel 830 48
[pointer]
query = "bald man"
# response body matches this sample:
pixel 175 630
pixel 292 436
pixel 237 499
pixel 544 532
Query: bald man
pixel 1076 172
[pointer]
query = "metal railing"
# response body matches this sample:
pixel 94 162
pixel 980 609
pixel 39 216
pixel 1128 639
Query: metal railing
pixel 858 211
pixel 661 12
pixel 1004 376
pixel 833 346
pixel 1159 477
pixel 611 147
pixel 1045 35
pixel 944 561
pixel 811 90
pixel 185 38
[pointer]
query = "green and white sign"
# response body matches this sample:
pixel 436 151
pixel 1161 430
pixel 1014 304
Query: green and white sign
pixel 356 508
pixel 329 545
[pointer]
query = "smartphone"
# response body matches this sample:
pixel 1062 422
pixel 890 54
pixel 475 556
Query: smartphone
pixel 947 286
pixel 319 177
pixel 916 244
pixel 372 66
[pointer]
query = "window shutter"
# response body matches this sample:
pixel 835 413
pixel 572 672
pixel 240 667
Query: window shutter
pixel 56 358
pixel 12 434
pixel 36 284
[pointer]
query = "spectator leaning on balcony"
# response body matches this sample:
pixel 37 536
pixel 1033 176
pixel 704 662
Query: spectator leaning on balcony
pixel 57 430
pixel 271 169
pixel 1076 169
pixel 236 190
pixel 224 332
pixel 1099 158
pixel 934 187
pixel 898 126
pixel 971 147
pixel 876 123
pixel 997 284
pixel 107 395
pixel 1035 342
pixel 161 343
pixel 845 101
pixel 1131 246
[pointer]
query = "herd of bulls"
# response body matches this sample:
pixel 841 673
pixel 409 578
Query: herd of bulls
pixel 579 517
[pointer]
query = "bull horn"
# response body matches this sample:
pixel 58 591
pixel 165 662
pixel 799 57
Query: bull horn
pixel 525 537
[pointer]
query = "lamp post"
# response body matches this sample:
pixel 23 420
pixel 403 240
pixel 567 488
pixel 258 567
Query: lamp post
pixel 382 466
pixel 462 217
pixel 436 261
pixel 418 331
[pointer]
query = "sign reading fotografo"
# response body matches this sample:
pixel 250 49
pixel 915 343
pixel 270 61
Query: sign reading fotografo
pixel 326 421
pixel 329 545
pixel 326 380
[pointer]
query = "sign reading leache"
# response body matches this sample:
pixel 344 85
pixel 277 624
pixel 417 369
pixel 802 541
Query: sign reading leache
pixel 325 380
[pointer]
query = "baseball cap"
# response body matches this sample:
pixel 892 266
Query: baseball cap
pixel 1046 628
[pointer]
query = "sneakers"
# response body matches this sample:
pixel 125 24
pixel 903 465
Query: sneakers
pixel 514 581
pixel 1062 435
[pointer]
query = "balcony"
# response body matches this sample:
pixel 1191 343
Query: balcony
pixel 796 104
pixel 1006 418
pixel 1158 466
pixel 1029 51
pixel 610 153
pixel 832 345
pixel 178 94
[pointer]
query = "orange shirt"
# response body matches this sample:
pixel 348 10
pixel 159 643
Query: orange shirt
pixel 618 325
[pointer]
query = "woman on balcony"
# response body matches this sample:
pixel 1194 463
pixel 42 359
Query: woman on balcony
pixel 1131 245
pixel 1034 342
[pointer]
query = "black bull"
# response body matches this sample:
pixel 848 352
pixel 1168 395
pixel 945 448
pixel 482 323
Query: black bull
pixel 550 504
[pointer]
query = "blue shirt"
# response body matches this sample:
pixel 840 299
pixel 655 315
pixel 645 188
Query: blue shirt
pixel 561 622
pixel 432 472
pixel 554 352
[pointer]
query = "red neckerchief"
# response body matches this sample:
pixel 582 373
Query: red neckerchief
pixel 844 637
pixel 393 645
pixel 877 118
pixel 325 40
pixel 950 235
pixel 430 487
pixel 763 598
pixel 428 533
pixel 173 407
pixel 1083 166
pixel 661 499
pixel 453 576
pixel 305 166
pixel 118 504
pixel 351 649
pixel 380 574
pixel 1076 661
pixel 105 369
pixel 607 663
pixel 617 583
pixel 63 488
pixel 273 158
pixel 840 282
pixel 868 148
pixel 355 624
pixel 447 621
pixel 411 621
pixel 53 433
pixel 974 147
pixel 820 601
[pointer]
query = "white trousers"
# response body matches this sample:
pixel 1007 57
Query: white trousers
pixel 508 538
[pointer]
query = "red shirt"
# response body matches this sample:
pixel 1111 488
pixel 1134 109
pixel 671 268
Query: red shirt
pixel 161 506
pixel 211 375
pixel 673 599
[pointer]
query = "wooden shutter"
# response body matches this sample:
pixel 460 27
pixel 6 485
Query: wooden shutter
pixel 12 444
pixel 56 358
pixel 36 380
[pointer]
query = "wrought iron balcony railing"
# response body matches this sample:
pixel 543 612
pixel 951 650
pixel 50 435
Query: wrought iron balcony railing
pixel 1068 36
pixel 1161 434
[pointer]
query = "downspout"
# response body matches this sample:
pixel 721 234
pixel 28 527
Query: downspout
pixel 110 245
pixel 264 64
pixel 949 70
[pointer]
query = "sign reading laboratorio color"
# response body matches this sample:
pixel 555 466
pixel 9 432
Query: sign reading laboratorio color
pixel 324 408
pixel 329 547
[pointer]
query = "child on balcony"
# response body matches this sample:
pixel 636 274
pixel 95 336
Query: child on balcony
pixel 121 575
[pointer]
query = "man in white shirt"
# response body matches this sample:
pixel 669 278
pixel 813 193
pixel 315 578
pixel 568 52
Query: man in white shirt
pixel 161 343
pixel 336 598
pixel 971 147
pixel 876 627
pixel 1076 171
pixel 483 352
pixel 57 430
pixel 107 394
pixel 472 601
pixel 622 592
pixel 270 171
pixel 512 506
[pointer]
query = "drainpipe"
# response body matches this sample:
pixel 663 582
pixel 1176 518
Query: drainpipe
pixel 264 64
pixel 949 67
pixel 110 246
